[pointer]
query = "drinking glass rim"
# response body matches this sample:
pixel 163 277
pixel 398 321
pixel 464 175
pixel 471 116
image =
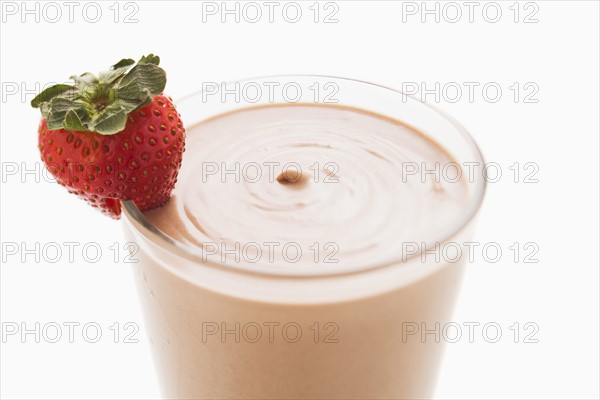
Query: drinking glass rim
pixel 133 213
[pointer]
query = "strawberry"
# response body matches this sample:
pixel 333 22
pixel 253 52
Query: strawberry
pixel 113 137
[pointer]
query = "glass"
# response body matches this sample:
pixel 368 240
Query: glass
pixel 224 330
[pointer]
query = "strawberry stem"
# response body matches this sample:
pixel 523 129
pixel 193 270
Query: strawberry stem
pixel 101 104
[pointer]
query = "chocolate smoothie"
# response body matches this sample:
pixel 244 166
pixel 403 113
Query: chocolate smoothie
pixel 284 271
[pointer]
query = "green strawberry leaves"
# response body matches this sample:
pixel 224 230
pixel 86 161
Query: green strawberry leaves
pixel 112 119
pixel 141 84
pixel 49 93
pixel 149 59
pixel 57 110
pixel 101 104
pixel 85 79
pixel 126 62
pixel 72 122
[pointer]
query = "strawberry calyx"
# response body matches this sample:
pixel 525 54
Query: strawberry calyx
pixel 101 103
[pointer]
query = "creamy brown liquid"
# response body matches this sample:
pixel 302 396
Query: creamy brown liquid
pixel 359 202
pixel 300 186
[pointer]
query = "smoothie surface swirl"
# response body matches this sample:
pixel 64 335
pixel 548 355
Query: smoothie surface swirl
pixel 294 185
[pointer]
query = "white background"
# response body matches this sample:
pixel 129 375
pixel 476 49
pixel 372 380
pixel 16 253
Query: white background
pixel 372 42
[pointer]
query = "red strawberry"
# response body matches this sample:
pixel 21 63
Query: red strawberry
pixel 112 138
